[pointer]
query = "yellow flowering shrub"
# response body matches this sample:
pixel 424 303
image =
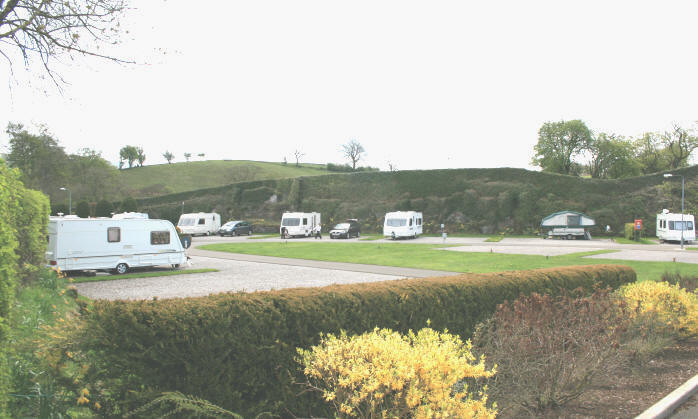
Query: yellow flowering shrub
pixel 673 306
pixel 385 374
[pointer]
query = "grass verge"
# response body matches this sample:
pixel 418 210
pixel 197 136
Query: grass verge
pixel 623 240
pixel 98 278
pixel 426 256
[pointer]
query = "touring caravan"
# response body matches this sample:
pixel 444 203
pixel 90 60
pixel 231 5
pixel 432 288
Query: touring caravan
pixel 297 224
pixel 203 223
pixel 112 244
pixel 671 226
pixel 122 215
pixel 402 224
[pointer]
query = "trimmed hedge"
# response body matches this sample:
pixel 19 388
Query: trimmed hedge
pixel 238 350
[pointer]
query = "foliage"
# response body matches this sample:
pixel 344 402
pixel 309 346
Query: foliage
pixel 674 306
pixel 129 205
pixel 129 154
pixel 612 157
pixel 176 403
pixel 548 350
pixel 679 144
pixel 238 350
pixel 40 159
pixel 168 156
pixel 103 208
pixel 385 374
pixel 90 176
pixel 345 168
pixel 45 367
pixel 558 143
pixel 82 209
pixel 688 283
pixel 650 154
pixel 629 231
pixel 31 219
pixel 46 30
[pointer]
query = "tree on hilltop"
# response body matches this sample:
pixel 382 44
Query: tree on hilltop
pixel 558 143
pixel 130 154
pixel 353 151
pixel 187 156
pixel 168 156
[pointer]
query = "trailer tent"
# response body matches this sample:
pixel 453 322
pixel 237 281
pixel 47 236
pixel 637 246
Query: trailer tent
pixel 568 225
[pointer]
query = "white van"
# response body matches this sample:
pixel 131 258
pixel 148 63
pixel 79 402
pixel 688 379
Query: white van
pixel 402 224
pixel 297 224
pixel 204 223
pixel 671 226
pixel 112 244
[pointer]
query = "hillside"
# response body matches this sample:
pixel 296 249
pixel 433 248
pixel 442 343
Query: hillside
pixel 466 200
pixel 163 179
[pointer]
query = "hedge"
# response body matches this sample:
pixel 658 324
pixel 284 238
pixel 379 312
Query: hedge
pixel 238 350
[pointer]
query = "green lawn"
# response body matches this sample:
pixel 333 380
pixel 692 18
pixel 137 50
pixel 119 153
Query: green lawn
pixel 623 240
pixel 144 274
pixel 182 176
pixel 427 256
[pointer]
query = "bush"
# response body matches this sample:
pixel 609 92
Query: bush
pixel 82 210
pixel 104 208
pixel 673 306
pixel 689 283
pixel 384 374
pixel 549 350
pixel 629 232
pixel 237 350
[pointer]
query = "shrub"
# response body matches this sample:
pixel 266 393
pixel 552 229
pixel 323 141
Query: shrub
pixel 237 350
pixel 384 374
pixel 549 350
pixel 674 306
pixel 689 283
pixel 629 232
pixel 82 210
pixel 104 208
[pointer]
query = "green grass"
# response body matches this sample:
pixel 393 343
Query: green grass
pixel 623 240
pixel 494 239
pixel 427 256
pixel 181 177
pixel 98 278
pixel 263 236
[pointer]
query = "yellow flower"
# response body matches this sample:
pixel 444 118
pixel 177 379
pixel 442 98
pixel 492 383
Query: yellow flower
pixel 83 400
pixel 84 392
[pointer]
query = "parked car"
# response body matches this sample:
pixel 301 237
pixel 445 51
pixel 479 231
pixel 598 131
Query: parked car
pixel 235 228
pixel 346 229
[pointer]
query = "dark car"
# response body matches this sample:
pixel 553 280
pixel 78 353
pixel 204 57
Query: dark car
pixel 235 228
pixel 346 229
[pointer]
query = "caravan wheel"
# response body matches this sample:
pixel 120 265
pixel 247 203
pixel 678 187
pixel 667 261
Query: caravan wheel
pixel 121 268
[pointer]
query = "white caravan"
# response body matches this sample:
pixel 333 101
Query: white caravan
pixel 402 224
pixel 122 215
pixel 669 227
pixel 297 224
pixel 112 244
pixel 204 223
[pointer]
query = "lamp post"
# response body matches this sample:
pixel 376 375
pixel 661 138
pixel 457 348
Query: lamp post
pixel 683 183
pixel 70 200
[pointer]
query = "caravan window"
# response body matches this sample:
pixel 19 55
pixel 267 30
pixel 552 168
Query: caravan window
pixel 410 222
pixel 305 221
pixel 395 222
pixel 202 221
pixel 186 222
pixel 113 234
pixel 159 237
pixel 291 222
pixel 419 221
pixel 676 225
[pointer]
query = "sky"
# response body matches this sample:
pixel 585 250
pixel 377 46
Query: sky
pixel 420 84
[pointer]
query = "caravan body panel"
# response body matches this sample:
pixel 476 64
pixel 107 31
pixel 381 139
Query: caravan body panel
pixel 402 224
pixel 201 223
pixel 299 223
pixel 669 227
pixel 104 243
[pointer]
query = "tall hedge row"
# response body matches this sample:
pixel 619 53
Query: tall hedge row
pixel 23 219
pixel 238 350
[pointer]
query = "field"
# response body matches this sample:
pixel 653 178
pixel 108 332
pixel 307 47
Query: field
pixel 427 256
pixel 181 177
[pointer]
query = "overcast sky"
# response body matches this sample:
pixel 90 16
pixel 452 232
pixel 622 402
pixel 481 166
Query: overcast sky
pixel 420 84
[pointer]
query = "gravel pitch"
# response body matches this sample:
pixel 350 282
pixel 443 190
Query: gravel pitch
pixel 232 276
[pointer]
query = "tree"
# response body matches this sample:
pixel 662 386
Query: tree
pixel 201 155
pixel 82 210
pixel 187 156
pixel 90 175
pixel 612 157
pixel 46 30
pixel 129 205
pixel 103 208
pixel 649 154
pixel 558 143
pixel 140 156
pixel 353 150
pixel 130 154
pixel 679 143
pixel 168 156
pixel 39 157
pixel 297 154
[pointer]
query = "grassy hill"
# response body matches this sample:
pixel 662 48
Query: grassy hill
pixel 466 200
pixel 163 179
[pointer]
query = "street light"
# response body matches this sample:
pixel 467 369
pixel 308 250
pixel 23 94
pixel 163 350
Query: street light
pixel 70 200
pixel 683 226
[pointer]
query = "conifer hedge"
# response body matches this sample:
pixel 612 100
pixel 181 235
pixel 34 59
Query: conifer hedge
pixel 238 350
